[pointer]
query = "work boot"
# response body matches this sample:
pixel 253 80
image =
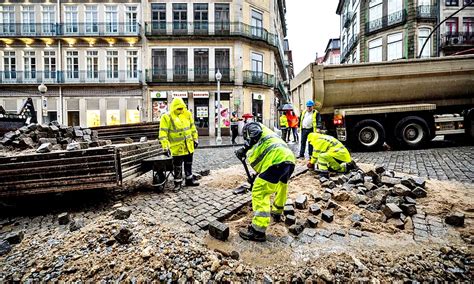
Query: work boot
pixel 276 218
pixel 322 173
pixel 191 182
pixel 351 166
pixel 177 186
pixel 252 235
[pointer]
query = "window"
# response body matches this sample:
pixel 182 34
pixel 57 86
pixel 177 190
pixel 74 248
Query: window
pixel 395 46
pixel 49 19
pixel 180 18
pixel 180 64
pixel 132 64
pixel 158 17
pixel 111 19
pixel 257 64
pixel 468 25
pixel 452 3
pixel 223 63
pixel 452 26
pixel 131 19
pixel 8 20
pixel 375 15
pixel 112 64
pixel 257 23
pixel 92 60
pixel 158 60
pixel 72 65
pixel 29 64
pixel 71 19
pixel 422 37
pixel 201 18
pixel 49 58
pixel 375 50
pixel 201 64
pixel 355 26
pixel 91 20
pixel 221 15
pixel 28 20
pixel 9 64
pixel 394 6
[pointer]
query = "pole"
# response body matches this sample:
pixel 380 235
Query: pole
pixel 219 138
pixel 438 25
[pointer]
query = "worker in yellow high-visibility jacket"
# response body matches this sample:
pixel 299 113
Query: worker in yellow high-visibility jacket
pixel 284 126
pixel 329 153
pixel 274 163
pixel 178 134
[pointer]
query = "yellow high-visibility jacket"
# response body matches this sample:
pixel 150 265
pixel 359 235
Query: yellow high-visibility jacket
pixel 283 121
pixel 177 130
pixel 327 144
pixel 268 151
pixel 316 120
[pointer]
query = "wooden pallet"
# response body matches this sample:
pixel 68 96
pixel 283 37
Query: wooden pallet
pixel 118 133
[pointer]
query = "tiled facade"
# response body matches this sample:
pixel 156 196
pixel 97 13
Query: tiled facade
pixel 109 62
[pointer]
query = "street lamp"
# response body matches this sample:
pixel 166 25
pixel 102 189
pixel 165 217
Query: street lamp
pixel 43 89
pixel 218 78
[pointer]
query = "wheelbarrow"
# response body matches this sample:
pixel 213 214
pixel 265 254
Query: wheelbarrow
pixel 162 168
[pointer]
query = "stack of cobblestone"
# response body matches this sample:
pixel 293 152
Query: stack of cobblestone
pixel 53 136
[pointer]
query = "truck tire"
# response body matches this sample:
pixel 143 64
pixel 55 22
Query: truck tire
pixel 369 135
pixel 411 132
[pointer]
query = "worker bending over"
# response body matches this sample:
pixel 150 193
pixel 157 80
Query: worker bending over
pixel 329 153
pixel 179 135
pixel 274 163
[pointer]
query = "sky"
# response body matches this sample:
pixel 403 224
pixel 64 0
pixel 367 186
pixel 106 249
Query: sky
pixel 310 23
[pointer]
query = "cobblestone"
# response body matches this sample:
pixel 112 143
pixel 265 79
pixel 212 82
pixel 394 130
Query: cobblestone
pixel 437 163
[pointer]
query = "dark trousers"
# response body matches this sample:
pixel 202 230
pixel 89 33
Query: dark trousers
pixel 295 134
pixel 235 132
pixel 278 173
pixel 304 138
pixel 284 134
pixel 178 167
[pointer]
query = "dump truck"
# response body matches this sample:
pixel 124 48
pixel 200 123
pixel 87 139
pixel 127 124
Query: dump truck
pixel 403 103
pixel 13 121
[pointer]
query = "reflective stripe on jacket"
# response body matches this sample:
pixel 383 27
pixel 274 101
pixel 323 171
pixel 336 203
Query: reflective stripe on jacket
pixel 268 151
pixel 316 120
pixel 177 130
pixel 327 144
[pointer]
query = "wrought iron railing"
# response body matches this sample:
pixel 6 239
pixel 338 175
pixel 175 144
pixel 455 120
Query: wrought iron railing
pixel 188 75
pixel 456 39
pixel 350 46
pixel 389 20
pixel 426 12
pixel 346 19
pixel 70 77
pixel 258 78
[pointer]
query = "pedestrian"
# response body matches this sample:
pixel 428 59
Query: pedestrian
pixel 274 163
pixel 310 121
pixel 329 154
pixel 284 126
pixel 292 125
pixel 178 135
pixel 234 126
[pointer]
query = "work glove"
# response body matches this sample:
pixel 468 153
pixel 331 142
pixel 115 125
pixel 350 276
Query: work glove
pixel 310 165
pixel 196 144
pixel 168 152
pixel 240 153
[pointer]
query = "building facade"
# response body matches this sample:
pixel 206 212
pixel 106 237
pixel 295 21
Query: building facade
pixel 332 54
pixel 457 33
pixel 385 30
pixel 111 62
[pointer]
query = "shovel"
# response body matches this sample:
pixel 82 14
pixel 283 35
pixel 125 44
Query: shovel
pixel 250 179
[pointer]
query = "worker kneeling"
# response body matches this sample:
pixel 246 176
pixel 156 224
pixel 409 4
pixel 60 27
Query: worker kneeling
pixel 274 163
pixel 330 154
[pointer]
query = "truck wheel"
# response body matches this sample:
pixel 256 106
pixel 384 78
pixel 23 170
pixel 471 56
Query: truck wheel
pixel 411 132
pixel 369 135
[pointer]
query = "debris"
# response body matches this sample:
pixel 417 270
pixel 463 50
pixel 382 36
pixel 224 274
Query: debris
pixel 122 213
pixel 401 190
pixel 146 253
pixel 391 210
pixel 296 229
pixel 379 169
pixel 314 209
pixel 63 218
pixel 397 223
pixel 311 222
pixel 290 220
pixel 143 139
pixel 301 201
pixel 123 236
pixel 455 219
pixel 408 208
pixel 419 192
pixel 45 148
pixel 5 247
pixel 327 216
pixel 205 172
pixel 390 181
pixel 288 210
pixel 15 237
pixel 235 255
pixel 76 224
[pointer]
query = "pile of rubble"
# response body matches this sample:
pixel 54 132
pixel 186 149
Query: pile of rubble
pixel 53 136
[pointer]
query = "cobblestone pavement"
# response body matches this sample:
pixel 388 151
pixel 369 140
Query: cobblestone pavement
pixel 453 163
pixel 438 163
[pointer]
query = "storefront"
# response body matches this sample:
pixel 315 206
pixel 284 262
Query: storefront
pixel 225 113
pixel 159 102
pixel 183 95
pixel 201 112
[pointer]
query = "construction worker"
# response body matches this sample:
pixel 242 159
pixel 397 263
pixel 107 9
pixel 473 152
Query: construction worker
pixel 310 121
pixel 178 134
pixel 274 163
pixel 329 153
pixel 234 126
pixel 284 126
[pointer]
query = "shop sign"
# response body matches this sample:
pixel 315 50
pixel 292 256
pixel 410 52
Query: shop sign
pixel 202 112
pixel 183 95
pixel 258 96
pixel 158 94
pixel 200 94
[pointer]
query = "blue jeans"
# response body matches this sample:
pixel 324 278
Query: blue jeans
pixel 304 138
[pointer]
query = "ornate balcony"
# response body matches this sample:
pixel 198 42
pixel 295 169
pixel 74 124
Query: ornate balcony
pixel 258 78
pixel 100 29
pixel 187 75
pixel 427 12
pixel 346 19
pixel 70 77
pixel 387 21
pixel 457 39
pixel 28 30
